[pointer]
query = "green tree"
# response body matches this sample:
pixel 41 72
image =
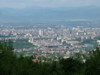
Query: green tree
pixel 72 66
pixel 7 57
pixel 92 64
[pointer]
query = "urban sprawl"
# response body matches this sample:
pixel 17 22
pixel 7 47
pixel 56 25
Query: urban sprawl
pixel 51 42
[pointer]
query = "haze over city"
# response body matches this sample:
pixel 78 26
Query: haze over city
pixel 47 3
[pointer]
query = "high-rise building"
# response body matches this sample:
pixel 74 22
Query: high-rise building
pixel 40 32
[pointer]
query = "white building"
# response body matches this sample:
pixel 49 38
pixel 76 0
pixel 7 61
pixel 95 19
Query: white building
pixel 98 41
pixel 40 32
pixel 28 35
pixel 31 39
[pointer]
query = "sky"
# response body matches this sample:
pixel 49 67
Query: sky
pixel 47 3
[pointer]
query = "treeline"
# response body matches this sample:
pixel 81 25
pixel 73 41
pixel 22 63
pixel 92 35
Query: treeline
pixel 10 64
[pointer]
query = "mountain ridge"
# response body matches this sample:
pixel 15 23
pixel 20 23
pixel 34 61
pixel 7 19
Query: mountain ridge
pixel 47 13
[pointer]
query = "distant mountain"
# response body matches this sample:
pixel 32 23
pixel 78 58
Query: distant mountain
pixel 45 13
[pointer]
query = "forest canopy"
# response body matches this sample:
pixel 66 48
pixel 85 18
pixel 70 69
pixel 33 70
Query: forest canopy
pixel 10 64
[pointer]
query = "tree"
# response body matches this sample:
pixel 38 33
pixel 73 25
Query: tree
pixel 92 65
pixel 72 66
pixel 7 58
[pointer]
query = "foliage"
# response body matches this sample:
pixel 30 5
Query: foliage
pixel 22 43
pixel 78 39
pixel 10 64
pixel 87 40
pixel 64 43
pixel 71 66
pixel 92 65
pixel 98 38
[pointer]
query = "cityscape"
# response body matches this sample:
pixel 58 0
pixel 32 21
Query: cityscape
pixel 49 37
pixel 51 42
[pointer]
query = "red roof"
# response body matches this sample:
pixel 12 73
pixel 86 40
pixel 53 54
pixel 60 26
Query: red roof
pixel 35 60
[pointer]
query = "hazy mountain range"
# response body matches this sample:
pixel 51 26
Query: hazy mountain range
pixel 35 13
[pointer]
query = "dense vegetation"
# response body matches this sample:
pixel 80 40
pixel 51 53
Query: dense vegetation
pixel 22 43
pixel 10 64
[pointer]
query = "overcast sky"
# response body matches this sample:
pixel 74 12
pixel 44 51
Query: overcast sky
pixel 47 3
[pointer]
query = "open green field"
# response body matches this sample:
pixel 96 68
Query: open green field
pixel 22 43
